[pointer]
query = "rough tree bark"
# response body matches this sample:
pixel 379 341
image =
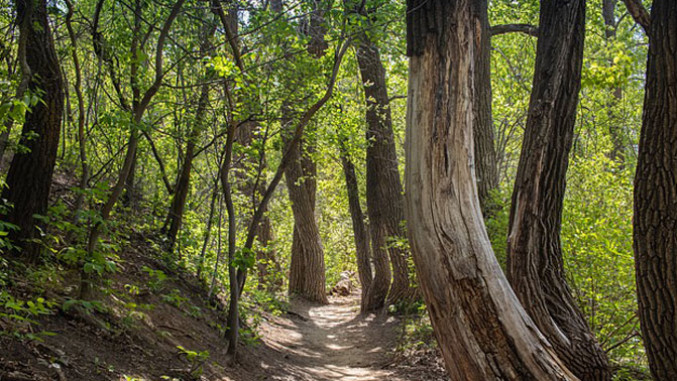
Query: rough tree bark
pixel 486 165
pixel 385 199
pixel 30 174
pixel 307 269
pixel 483 332
pixel 655 221
pixel 360 233
pixel 535 267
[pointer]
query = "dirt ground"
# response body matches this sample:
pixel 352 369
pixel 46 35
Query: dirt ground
pixel 310 342
pixel 334 342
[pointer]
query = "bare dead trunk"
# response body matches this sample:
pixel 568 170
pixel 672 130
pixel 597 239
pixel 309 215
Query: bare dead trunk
pixel 30 174
pixel 535 266
pixel 483 332
pixel 655 221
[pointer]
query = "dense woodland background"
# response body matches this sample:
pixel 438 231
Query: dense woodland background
pixel 258 148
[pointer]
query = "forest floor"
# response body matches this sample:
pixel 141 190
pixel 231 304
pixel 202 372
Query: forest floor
pixel 140 334
pixel 335 342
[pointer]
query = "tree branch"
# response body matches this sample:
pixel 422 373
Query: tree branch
pixel 529 29
pixel 639 13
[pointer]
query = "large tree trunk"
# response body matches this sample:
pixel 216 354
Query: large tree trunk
pixel 535 266
pixel 483 332
pixel 360 233
pixel 385 201
pixel 307 270
pixel 486 165
pixel 30 174
pixel 655 221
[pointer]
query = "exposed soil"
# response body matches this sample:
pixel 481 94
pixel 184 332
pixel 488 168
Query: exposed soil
pixel 308 343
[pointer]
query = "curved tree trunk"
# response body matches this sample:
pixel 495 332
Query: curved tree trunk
pixel 483 332
pixel 535 266
pixel 30 175
pixel 655 221
pixel 486 166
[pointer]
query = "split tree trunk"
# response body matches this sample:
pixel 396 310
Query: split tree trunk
pixel 385 200
pixel 655 221
pixel 535 266
pixel 30 175
pixel 483 332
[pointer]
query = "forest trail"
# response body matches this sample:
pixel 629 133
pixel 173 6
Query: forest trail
pixel 332 342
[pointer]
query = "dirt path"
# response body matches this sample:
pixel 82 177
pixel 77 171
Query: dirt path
pixel 331 342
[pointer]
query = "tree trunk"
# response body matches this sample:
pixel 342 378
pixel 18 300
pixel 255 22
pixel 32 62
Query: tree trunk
pixel 360 233
pixel 306 272
pixel 655 221
pixel 483 332
pixel 385 199
pixel 535 266
pixel 30 175
pixel 486 165
pixel 182 187
pixel 252 186
pixel 615 127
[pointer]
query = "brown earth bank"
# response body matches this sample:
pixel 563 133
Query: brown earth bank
pixel 140 335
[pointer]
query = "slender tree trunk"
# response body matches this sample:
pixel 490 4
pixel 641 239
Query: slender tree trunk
pixel 252 187
pixel 486 164
pixel 535 265
pixel 385 199
pixel 615 127
pixel 208 230
pixel 655 221
pixel 139 106
pixel 483 332
pixel 84 176
pixel 360 233
pixel 175 215
pixel 30 174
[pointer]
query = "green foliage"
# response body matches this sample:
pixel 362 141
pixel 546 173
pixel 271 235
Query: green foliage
pixel 20 316
pixel 174 298
pixel 156 278
pixel 195 359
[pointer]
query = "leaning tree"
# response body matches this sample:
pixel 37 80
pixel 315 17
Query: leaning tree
pixel 482 330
